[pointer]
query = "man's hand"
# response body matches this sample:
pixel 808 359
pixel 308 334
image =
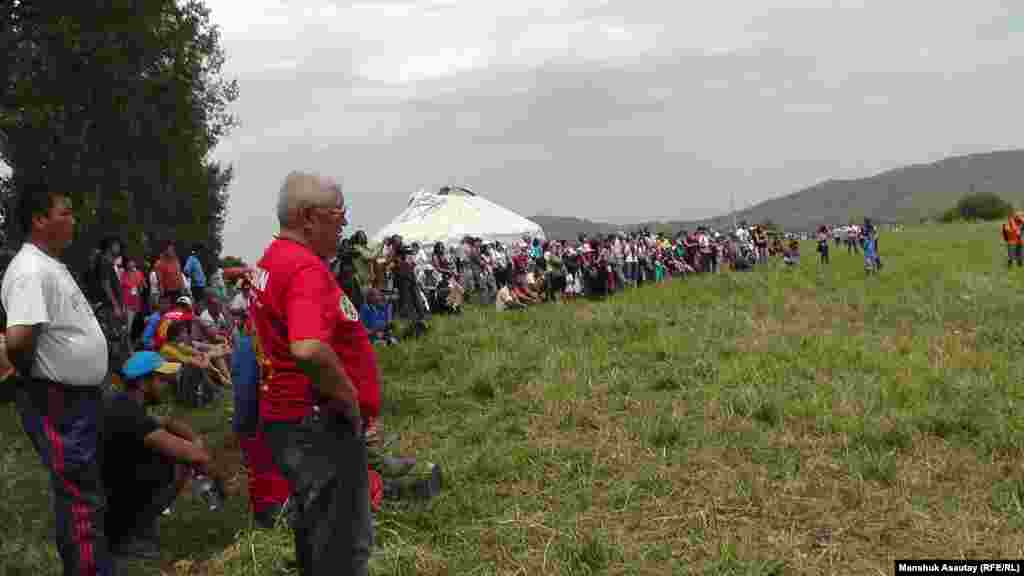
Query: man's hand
pixel 324 368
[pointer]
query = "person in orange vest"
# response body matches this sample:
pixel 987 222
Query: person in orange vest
pixel 1011 234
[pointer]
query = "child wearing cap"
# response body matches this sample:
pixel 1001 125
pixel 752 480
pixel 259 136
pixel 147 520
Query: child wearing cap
pixel 148 458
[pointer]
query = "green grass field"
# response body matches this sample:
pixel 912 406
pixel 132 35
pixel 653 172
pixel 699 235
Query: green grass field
pixel 782 421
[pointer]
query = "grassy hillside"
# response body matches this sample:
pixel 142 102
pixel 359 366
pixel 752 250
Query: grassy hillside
pixel 801 421
pixel 905 194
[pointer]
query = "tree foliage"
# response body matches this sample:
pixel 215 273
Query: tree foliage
pixel 121 103
pixel 232 262
pixel 978 206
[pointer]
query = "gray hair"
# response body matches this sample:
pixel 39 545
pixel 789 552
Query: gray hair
pixel 303 190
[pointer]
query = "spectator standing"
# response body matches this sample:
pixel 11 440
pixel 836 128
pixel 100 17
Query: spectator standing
pixel 320 379
pixel 217 285
pixel 1014 244
pixel 154 286
pixel 872 261
pixel 194 272
pixel 268 489
pixel 853 239
pixel 108 299
pixel 823 244
pixel 55 341
pixel 132 286
pixel 239 306
pixel 169 274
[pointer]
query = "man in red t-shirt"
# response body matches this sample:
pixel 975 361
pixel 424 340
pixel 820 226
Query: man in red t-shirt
pixel 168 272
pixel 319 379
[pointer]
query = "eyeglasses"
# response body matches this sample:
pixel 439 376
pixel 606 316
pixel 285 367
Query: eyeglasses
pixel 335 210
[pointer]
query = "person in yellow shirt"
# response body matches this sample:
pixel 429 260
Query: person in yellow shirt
pixel 178 348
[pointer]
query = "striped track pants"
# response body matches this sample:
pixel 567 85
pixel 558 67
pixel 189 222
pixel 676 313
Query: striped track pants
pixel 63 425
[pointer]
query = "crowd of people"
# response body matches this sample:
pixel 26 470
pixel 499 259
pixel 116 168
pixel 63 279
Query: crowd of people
pixel 292 338
pixel 84 354
pixel 411 281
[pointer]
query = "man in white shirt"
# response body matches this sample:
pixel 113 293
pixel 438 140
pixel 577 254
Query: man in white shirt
pixel 60 353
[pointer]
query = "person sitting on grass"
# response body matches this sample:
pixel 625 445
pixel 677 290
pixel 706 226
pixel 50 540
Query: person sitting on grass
pixel 147 460
pixel 206 338
pixel 522 291
pixel 506 300
pixel 215 324
pixel 198 368
pixel 180 312
pixel 152 322
pixel 375 314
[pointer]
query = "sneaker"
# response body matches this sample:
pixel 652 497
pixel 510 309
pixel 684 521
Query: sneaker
pixel 430 487
pixel 135 547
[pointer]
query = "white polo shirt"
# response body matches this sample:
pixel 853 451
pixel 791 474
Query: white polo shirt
pixel 39 289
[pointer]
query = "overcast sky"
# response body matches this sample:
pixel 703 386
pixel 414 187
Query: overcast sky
pixel 605 109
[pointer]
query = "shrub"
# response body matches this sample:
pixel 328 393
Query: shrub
pixel 978 206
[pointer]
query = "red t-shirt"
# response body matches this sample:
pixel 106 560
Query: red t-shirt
pixel 172 316
pixel 168 271
pixel 297 298
pixel 131 289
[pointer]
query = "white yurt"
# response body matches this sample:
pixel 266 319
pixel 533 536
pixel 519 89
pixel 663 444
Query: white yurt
pixel 455 212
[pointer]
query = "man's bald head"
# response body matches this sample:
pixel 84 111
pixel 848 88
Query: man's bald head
pixel 303 190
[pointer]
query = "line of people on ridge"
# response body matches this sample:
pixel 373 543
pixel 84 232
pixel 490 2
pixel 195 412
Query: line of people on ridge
pixel 410 281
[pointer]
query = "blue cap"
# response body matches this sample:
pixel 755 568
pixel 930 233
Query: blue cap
pixel 145 363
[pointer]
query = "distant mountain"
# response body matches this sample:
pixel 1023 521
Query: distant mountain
pixel 905 194
pixel 569 228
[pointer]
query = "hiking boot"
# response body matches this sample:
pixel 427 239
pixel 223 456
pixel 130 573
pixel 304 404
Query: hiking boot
pixel 135 547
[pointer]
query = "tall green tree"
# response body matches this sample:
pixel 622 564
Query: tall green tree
pixel 121 102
